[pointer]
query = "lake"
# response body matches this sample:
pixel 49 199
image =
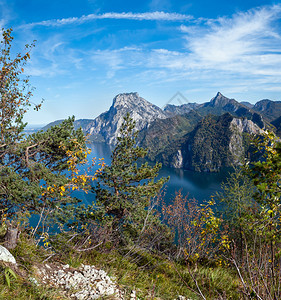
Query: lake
pixel 196 185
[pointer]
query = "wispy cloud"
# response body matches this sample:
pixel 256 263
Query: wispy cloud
pixel 245 45
pixel 243 38
pixel 147 16
pixel 241 52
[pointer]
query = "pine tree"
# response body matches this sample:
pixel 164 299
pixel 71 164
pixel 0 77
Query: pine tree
pixel 32 168
pixel 125 188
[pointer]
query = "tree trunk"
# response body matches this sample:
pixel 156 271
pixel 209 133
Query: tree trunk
pixel 11 238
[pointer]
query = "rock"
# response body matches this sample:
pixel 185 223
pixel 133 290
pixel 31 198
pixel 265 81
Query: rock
pixel 6 256
pixel 89 282
pixel 133 295
pixel 106 126
pixel 66 266
pixel 33 280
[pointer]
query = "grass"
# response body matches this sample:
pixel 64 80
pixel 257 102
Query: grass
pixel 155 277
pixel 27 255
pixel 152 276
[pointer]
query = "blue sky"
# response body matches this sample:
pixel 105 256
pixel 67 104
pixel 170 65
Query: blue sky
pixel 88 51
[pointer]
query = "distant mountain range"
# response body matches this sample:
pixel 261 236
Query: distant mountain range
pixel 200 137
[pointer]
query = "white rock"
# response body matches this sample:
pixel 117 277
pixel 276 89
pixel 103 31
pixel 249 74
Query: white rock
pixel 66 266
pixel 133 295
pixel 110 290
pixel 6 256
pixel 100 287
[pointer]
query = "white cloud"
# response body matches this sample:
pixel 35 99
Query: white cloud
pixel 147 16
pixel 237 39
pixel 240 53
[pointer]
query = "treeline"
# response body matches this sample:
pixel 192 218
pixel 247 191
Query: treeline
pixel 39 172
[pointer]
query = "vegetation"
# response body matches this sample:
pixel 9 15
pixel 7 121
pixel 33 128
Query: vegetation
pixel 163 132
pixel 125 190
pixel 212 144
pixel 32 168
pixel 181 249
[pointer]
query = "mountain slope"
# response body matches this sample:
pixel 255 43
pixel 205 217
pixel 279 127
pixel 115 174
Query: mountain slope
pixel 215 142
pixel 162 132
pixel 220 105
pixel 106 126
pixel 173 110
pixel 271 110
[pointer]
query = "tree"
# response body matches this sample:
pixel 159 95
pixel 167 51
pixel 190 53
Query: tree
pixel 125 189
pixel 266 175
pixel 253 200
pixel 33 168
pixel 238 205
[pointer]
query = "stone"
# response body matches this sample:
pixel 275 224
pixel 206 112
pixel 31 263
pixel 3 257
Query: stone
pixel 89 282
pixel 133 295
pixel 6 256
pixel 106 126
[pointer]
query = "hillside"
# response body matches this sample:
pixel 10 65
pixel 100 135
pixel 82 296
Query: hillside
pixel 215 142
pixel 163 132
pixel 271 110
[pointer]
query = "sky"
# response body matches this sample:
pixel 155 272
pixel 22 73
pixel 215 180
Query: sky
pixel 88 51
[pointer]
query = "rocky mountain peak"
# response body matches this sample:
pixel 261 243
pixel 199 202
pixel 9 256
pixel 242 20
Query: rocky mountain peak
pixel 133 103
pixel 126 98
pixel 220 100
pixel 106 126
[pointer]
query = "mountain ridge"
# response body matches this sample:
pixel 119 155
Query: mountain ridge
pixel 165 131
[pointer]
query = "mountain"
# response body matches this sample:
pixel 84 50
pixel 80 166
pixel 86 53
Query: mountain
pixel 173 110
pixel 220 105
pixel 106 126
pixel 277 124
pixel 248 104
pixel 163 132
pixel 271 110
pixel 215 142
pixel 83 123
pixel 200 137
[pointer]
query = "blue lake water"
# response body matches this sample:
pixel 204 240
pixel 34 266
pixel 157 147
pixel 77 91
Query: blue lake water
pixel 192 184
pixel 196 185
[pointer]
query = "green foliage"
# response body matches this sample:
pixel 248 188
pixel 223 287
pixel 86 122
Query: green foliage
pixel 252 200
pixel 237 198
pixel 125 188
pixel 266 176
pixel 42 155
pixel 164 132
pixel 9 274
pixel 266 172
pixel 15 91
pixel 33 168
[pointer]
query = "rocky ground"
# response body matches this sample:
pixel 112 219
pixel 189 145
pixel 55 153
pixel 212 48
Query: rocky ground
pixel 84 283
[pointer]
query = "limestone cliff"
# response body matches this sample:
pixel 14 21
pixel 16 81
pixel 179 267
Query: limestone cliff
pixel 106 126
